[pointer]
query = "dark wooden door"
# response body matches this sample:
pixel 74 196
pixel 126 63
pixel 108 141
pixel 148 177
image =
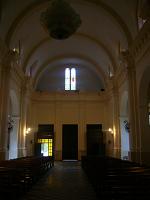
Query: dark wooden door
pixel 70 142
pixel 95 143
pixel 37 149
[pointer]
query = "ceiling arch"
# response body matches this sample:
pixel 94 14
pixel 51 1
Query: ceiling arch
pixel 35 5
pixel 99 43
pixel 105 27
pixel 61 60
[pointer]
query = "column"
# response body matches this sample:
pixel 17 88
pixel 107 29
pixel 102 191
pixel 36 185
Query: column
pixel 24 103
pixel 58 130
pixel 116 122
pixel 81 128
pixel 13 144
pixel 6 67
pixel 133 108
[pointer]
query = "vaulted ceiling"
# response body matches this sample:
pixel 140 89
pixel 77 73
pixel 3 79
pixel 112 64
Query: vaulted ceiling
pixel 107 26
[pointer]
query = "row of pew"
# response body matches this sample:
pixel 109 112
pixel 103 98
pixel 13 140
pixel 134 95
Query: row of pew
pixel 18 175
pixel 116 179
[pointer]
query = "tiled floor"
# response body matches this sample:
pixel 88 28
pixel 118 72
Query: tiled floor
pixel 65 181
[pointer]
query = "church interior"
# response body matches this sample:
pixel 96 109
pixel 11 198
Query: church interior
pixel 75 81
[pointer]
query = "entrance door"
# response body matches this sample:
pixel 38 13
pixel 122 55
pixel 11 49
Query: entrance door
pixel 70 142
pixel 44 144
pixel 95 143
pixel 44 147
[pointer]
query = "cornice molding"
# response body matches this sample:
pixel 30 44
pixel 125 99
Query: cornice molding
pixel 41 97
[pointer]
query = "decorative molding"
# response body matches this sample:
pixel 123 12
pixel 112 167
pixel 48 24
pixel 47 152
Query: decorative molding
pixel 141 42
pixel 66 97
pixel 8 59
pixel 17 74
pixel 121 76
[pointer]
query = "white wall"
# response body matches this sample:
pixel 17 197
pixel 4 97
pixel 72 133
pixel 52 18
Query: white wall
pixel 67 108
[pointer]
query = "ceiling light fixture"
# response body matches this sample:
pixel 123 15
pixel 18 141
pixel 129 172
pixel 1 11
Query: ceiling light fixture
pixel 60 20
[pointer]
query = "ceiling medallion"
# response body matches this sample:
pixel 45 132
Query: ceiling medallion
pixel 60 19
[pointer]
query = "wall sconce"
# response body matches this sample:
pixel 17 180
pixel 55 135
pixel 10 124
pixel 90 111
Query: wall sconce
pixel 28 131
pixel 110 130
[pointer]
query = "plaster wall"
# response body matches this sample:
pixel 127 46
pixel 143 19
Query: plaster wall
pixel 59 109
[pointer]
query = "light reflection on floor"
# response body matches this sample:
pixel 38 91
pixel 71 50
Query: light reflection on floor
pixel 66 180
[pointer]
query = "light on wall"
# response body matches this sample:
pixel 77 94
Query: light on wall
pixel 27 131
pixel 110 130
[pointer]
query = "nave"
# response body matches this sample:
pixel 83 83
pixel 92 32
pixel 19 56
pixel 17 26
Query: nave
pixel 66 180
pixel 66 98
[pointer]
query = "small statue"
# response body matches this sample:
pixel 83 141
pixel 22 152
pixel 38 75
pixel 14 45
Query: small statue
pixel 127 126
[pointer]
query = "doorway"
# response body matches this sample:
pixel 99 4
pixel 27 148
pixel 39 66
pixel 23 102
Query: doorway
pixel 70 142
pixel 45 147
pixel 45 140
pixel 95 140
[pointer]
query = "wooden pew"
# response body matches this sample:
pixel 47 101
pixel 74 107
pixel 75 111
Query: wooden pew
pixel 18 175
pixel 113 178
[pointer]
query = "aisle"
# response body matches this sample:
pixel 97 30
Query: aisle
pixel 65 181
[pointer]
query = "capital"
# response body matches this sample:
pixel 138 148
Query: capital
pixel 127 60
pixel 8 59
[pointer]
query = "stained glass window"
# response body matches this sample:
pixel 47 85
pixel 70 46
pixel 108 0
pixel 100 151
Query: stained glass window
pixel 73 79
pixel 46 146
pixel 70 79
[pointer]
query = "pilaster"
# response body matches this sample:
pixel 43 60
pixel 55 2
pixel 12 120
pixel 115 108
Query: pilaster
pixel 6 67
pixel 116 127
pixel 24 103
pixel 133 108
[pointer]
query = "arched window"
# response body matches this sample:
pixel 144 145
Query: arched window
pixel 70 79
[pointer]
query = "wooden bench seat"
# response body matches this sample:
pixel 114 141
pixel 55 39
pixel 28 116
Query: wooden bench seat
pixel 117 179
pixel 18 175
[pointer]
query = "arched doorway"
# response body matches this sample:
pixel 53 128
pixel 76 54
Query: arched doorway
pixel 13 117
pixel 124 126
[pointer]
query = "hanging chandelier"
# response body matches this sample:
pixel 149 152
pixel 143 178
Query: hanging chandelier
pixel 60 19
